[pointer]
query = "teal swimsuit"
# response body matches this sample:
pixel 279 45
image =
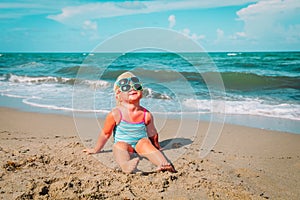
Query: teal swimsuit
pixel 130 132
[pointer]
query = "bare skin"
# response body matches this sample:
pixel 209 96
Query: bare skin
pixel 121 151
pixel 149 148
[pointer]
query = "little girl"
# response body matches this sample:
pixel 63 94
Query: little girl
pixel 132 127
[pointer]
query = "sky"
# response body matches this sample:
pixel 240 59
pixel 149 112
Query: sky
pixel 81 25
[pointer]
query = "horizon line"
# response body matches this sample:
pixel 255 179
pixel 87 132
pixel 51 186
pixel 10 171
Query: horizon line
pixel 87 52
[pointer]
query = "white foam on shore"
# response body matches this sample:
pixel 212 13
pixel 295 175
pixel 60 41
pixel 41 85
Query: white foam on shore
pixel 194 107
pixel 56 80
pixel 54 107
pixel 247 107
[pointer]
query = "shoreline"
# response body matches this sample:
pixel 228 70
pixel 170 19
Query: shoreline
pixel 41 157
pixel 253 121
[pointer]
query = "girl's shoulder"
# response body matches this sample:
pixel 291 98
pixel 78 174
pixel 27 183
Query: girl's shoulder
pixel 145 110
pixel 117 114
pixel 115 109
pixel 147 116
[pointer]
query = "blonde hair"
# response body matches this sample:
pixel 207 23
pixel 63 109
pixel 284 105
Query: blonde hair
pixel 124 75
pixel 116 87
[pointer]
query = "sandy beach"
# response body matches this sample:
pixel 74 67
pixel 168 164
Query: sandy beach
pixel 41 158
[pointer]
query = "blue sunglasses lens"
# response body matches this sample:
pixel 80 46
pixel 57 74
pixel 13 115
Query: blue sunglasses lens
pixel 127 87
pixel 123 81
pixel 127 80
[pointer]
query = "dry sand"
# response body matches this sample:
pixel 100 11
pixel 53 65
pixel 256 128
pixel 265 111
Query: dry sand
pixel 41 158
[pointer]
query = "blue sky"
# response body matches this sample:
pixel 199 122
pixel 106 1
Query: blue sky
pixel 80 25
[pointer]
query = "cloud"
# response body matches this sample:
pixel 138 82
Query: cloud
pixel 241 34
pixel 89 25
pixel 172 21
pixel 238 35
pixel 90 30
pixel 220 33
pixel 187 32
pixel 20 8
pixel 131 5
pixel 273 20
pixel 220 36
pixel 98 10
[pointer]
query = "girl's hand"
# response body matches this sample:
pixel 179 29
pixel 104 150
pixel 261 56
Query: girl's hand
pixel 89 151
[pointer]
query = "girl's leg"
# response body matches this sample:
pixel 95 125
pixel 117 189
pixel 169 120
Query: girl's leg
pixel 121 153
pixel 145 148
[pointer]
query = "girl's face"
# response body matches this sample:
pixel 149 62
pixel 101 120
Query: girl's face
pixel 130 90
pixel 132 96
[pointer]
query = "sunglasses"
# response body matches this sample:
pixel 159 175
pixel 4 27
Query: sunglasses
pixel 125 85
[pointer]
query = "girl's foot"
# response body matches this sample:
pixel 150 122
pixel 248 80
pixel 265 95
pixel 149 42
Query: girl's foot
pixel 130 166
pixel 167 167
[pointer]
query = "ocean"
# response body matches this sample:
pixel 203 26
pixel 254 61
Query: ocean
pixel 257 89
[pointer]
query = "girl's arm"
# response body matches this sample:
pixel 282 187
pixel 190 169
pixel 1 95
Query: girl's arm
pixel 106 132
pixel 151 130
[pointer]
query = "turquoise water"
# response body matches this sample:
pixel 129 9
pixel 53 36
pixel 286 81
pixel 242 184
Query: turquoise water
pixel 259 87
